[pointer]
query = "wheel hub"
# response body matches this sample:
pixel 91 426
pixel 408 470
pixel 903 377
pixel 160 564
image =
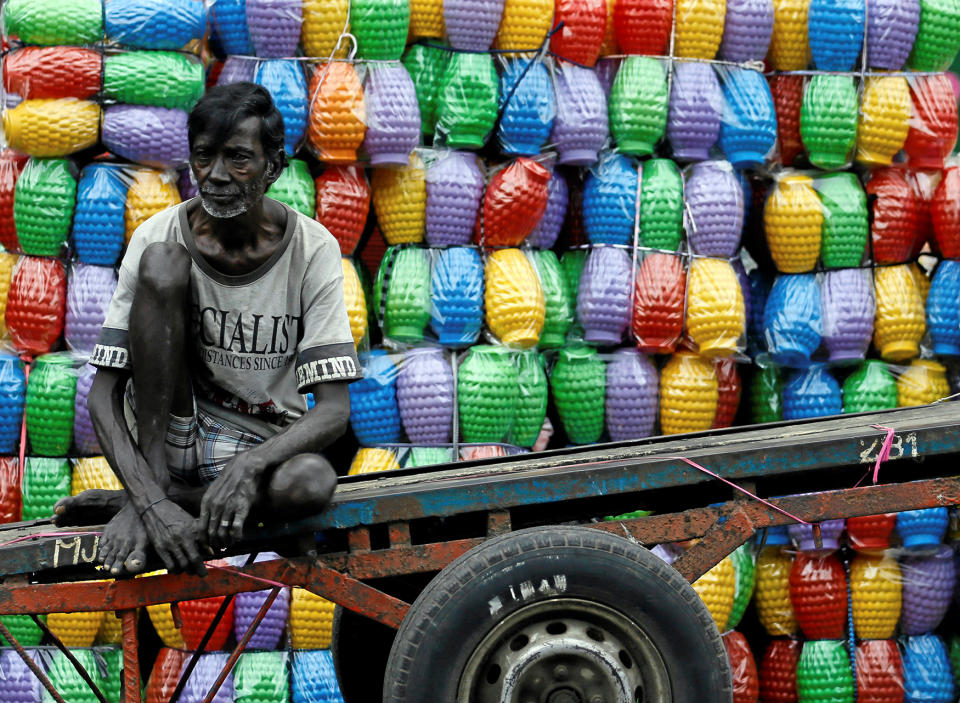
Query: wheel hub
pixel 564 695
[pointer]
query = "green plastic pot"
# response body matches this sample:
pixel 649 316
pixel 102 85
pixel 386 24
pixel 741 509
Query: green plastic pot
pixel 558 304
pixel 572 263
pixel 488 385
pixel 381 28
pixel 426 66
pixel 160 78
pixel 43 202
pixel 428 456
pixel 261 677
pixel 766 395
pixel 71 685
pixel 45 481
pixel 824 674
pixel 638 105
pixel 578 383
pixel 402 291
pixel 935 45
pixel 870 387
pixel 845 223
pixel 745 568
pixel 661 205
pixel 296 188
pixel 532 402
pixel 23 628
pixel 51 391
pixel 467 102
pixel 828 120
pixel 53 22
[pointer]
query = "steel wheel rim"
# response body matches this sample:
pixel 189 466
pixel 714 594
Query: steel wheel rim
pixel 565 650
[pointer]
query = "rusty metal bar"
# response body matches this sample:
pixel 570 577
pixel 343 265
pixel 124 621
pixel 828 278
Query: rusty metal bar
pixel 201 648
pixel 84 674
pixel 32 665
pixel 719 541
pixel 131 657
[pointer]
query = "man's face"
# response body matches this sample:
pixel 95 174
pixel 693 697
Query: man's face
pixel 232 174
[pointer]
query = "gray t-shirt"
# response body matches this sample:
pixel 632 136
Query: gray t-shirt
pixel 259 340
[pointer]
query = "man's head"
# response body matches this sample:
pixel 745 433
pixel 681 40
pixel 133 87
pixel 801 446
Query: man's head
pixel 236 147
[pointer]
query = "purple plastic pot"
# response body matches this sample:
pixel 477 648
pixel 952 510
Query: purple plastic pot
pixel 425 396
pixel 545 234
pixel 891 29
pixel 247 605
pixel 714 212
pixel 747 30
pixel 154 136
pixel 581 126
pixel 274 27
pixel 17 683
pixel 696 106
pixel 830 531
pixel 393 114
pixel 603 298
pixel 237 69
pixel 89 292
pixel 472 24
pixel 454 191
pixel 606 70
pixel 84 436
pixel 848 310
pixel 928 583
pixel 201 680
pixel 633 388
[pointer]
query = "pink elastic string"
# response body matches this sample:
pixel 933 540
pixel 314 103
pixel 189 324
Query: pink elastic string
pixel 742 490
pixel 41 535
pixel 884 449
pixel 27 361
pixel 231 570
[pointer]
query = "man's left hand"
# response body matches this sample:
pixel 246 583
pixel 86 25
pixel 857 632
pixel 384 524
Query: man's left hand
pixel 228 500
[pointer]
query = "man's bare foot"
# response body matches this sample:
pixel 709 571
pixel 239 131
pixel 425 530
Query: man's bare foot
pixel 123 546
pixel 93 507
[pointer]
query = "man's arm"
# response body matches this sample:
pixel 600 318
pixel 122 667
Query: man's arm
pixel 227 502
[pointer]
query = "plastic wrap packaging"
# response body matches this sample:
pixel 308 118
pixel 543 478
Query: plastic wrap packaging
pixel 45 481
pixel 52 72
pixel 93 473
pixel 945 213
pixel 524 25
pixel 884 119
pixel 875 587
pixel 198 615
pixel 748 132
pixel 402 293
pixel 891 30
pixel 558 303
pixel 527 106
pixel 323 23
pixel 745 568
pixel 716 316
pixel 311 620
pixel 165 675
pixel 43 204
pixel 632 391
pixel 399 199
pixel 102 664
pixel 729 388
pixel 638 105
pixel 514 201
pixel 845 227
pixel 900 317
pixel 454 190
pixel 159 78
pixel 514 303
pixel 426 18
pixel 897 215
pixel 237 69
pixel 793 319
pixel 228 21
pixel 467 101
pixel 426 66
pixel 456 299
pixel 84 436
pixel 98 222
pixel 828 120
pixel 924 381
pixel 153 136
pixel 12 390
pixel 273 27
pixel 926 670
pixel 879 671
pixel 847 314
pixel 373 460
pixel 836 33
pixel 661 205
pixel 261 677
pixel 824 669
pixel 793 223
pixel 337 119
pixel 812 392
pixel 695 110
pixel 717 589
pixel 36 304
pixel 935 45
pixel 818 592
pixel 342 204
pixel 545 234
pixel 643 27
pixel 89 291
pixel 295 187
pixel 582 34
pixel 17 683
pixel 287 86
pixel 11 166
pixel 933 121
pixel 380 27
pixel 778 671
pixel 149 192
pixel 49 414
pixel 699 28
pixel 52 127
pixel 578 385
pixel 142 24
pixel 603 296
pixel 743 667
pixel 610 201
pixel 772 599
pixel 928 584
pixel 314 679
pixel 75 629
pixel 374 414
pixel 871 534
pixel 789 47
pixel 356 303
pixel 392 115
pixel 472 26
pixel 487 392
pixel 787 93
pixel 49 22
pixel 203 677
pixel 689 392
pixel 532 402
pixel 582 125
pixel 659 302
pixel 922 529
pixel 425 396
pixel 943 309
pixel 714 211
pixel 268 633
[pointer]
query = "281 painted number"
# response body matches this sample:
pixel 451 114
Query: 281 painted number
pixel 902 445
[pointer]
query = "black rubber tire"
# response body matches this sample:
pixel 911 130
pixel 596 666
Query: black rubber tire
pixel 452 615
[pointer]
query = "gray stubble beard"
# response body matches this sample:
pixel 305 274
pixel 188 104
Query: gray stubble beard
pixel 250 195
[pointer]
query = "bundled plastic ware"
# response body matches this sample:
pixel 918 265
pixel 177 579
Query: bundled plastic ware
pixel 314 679
pixel 454 188
pixel 891 30
pixel 661 205
pixel 643 27
pixel 17 683
pixel 381 28
pixel 772 589
pixel 933 122
pixel 149 193
pixel 402 293
pixel 237 69
pixel 36 304
pixel 746 682
pixel 558 305
pixel 824 672
pixel 467 101
pixel 198 615
pixel 729 389
pixel 789 47
pixel 12 398
pixel 897 215
pixel 699 28
pixel 879 671
pixel 871 534
pixel 342 204
pixel 578 386
pixel 875 587
pixel 848 312
pixel 696 106
pixel 787 92
pixel 766 395
pixel 393 115
pixel 22 627
pixel 51 389
pixel 71 685
pixel 943 309
pixel 143 24
pixel 532 399
pixel 584 25
pixel 98 220
pixel 54 127
pixel 472 25
pixel 89 291
pixel 52 72
pixel 935 45
pixel 44 199
pixel 610 201
pixel 399 199
pixel 274 27
pixel 513 298
pixel 945 213
pixel 228 20
pixel 268 632
pixel 426 66
pixel 716 316
pixel 844 232
pixel 631 396
pixel 75 629
pixel 793 223
pixel 527 107
pixel 159 78
pixel 928 583
pixel 374 414
pixel 162 620
pixel 919 529
pixel 748 132
pixel 778 671
pixel 658 303
pixel 572 263
pixel 803 537
pixel 355 300
pixel 153 136
pixel 487 393
pixel 295 187
pixel 261 677
pixel 714 209
pixel 793 322
pixel 203 677
pixel 337 115
pixel 11 165
pixel 638 105
pixel 899 323
pixel 456 295
pixel 513 204
pixel 717 589
pixel 426 18
pixel 93 473
pixel 581 126
pixel 425 390
pixel 545 234
pixel 524 25
pixel 836 33
pixel 603 296
pixel 747 29
pixel 689 393
pixel 164 675
pixel 924 381
pixel 50 22
pixel 45 481
pixel 311 619
pixel 811 393
pixel 884 119
pixel 818 591
pixel 288 88
pixel 926 671
pixel 10 510
pixel 828 120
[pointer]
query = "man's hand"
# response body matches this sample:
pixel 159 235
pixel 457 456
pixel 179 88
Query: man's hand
pixel 228 500
pixel 172 532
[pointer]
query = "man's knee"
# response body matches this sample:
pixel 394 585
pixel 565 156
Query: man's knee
pixel 302 484
pixel 165 269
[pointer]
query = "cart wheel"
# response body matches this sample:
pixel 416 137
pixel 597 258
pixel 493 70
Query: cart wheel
pixel 558 615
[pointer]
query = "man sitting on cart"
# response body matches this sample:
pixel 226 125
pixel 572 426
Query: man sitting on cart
pixel 229 309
